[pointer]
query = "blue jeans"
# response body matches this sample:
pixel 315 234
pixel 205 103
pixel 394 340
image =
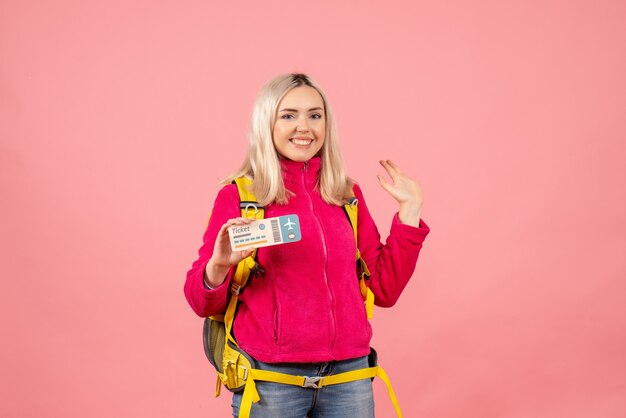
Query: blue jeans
pixel 344 400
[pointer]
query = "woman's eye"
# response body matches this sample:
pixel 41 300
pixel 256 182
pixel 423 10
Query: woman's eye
pixel 316 116
pixel 287 116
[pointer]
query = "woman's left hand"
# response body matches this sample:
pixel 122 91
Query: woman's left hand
pixel 405 190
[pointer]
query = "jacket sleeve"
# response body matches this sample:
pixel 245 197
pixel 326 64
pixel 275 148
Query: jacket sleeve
pixel 391 265
pixel 204 301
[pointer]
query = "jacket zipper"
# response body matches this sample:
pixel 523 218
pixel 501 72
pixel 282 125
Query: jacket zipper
pixel 319 226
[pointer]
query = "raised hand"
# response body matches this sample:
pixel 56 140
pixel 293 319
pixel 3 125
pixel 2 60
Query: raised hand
pixel 405 191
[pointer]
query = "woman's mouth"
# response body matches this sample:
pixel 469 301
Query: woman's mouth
pixel 301 141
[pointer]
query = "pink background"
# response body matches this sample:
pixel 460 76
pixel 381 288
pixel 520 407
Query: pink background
pixel 117 119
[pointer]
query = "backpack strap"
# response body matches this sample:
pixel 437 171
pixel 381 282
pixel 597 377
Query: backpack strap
pixel 352 211
pixel 251 395
pixel 250 209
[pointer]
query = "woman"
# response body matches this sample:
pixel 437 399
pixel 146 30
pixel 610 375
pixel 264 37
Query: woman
pixel 305 316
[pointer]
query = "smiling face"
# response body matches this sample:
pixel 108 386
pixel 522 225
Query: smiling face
pixel 300 126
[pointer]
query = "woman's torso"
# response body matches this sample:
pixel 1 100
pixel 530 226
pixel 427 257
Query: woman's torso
pixel 307 307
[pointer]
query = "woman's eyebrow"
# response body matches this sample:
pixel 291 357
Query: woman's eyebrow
pixel 295 110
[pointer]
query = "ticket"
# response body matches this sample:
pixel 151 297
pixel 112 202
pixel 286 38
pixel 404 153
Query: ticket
pixel 265 232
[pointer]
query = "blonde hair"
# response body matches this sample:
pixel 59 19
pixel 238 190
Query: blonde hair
pixel 262 163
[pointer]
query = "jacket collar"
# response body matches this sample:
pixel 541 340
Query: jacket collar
pixel 295 170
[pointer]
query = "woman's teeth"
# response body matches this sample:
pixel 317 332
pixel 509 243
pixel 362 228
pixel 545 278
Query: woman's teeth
pixel 301 141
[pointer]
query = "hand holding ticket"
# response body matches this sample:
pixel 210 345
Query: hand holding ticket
pixel 265 232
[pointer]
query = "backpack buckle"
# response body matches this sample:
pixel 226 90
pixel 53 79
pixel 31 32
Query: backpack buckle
pixel 257 271
pixel 314 382
pixel 235 289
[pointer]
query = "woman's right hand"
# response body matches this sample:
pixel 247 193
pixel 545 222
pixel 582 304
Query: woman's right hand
pixel 224 257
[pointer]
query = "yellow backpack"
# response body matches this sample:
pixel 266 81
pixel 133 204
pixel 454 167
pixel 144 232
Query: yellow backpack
pixel 235 369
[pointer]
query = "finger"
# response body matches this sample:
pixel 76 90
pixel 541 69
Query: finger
pixel 394 166
pixel 228 224
pixel 238 221
pixel 241 219
pixel 246 253
pixel 384 183
pixel 223 229
pixel 389 169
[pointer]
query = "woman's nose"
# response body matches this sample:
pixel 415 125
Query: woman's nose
pixel 303 125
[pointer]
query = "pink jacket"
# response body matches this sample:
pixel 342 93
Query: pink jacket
pixel 307 307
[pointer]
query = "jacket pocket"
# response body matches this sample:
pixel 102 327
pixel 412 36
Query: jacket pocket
pixel 277 321
pixel 276 325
